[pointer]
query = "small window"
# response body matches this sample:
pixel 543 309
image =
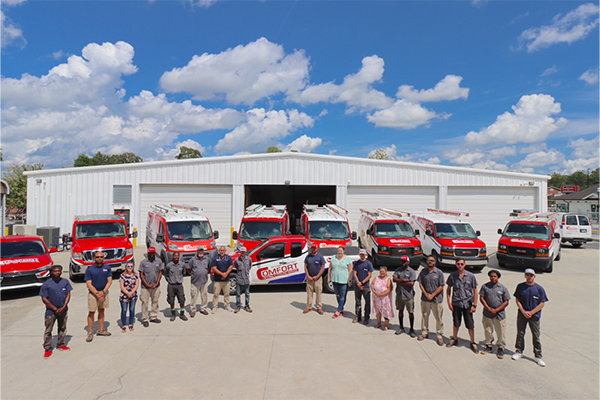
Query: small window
pixel 296 249
pixel 571 220
pixel 275 250
pixel 122 194
pixel 583 220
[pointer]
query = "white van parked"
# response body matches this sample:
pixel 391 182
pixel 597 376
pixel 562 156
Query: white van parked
pixel 575 229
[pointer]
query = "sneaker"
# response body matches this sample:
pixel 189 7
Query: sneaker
pixel 63 348
pixel 173 315
pixel 248 309
pixel 193 314
pixel 400 331
pixel 422 336
pixel 517 355
pixel 356 320
pixel 452 342
pixel 103 333
pixel 440 342
pixel 487 349
pixel 182 316
pixel 474 348
pixel 214 310
pixel 500 353
pixel 540 362
pixel 47 353
pixel 90 337
pixel 229 309
pixel 306 310
pixel 155 320
pixel 237 310
pixel 204 312
pixel 145 324
pixel 412 333
pixel 320 311
pixel 366 321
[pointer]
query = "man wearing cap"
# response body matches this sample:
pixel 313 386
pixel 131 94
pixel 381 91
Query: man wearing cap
pixel 198 267
pixel 151 270
pixel 530 298
pixel 431 282
pixel 405 278
pixel 362 271
pixel 55 294
pixel 221 265
pixel 314 266
pixel 462 301
pixel 98 279
pixel 174 277
pixel 494 298
pixel 242 265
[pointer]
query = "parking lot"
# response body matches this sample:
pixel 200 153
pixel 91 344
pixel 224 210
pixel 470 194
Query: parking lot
pixel 278 353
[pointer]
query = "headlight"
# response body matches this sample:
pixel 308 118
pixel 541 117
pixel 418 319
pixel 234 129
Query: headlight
pixel 483 251
pixel 77 256
pixel 502 246
pixel 129 252
pixel 447 251
pixel 542 251
pixel 383 250
pixel 418 248
pixel 173 247
pixel 44 268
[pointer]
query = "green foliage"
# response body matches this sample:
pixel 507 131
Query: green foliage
pixel 186 153
pixel 379 154
pixel 273 149
pixel 17 183
pixel 106 159
pixel 580 178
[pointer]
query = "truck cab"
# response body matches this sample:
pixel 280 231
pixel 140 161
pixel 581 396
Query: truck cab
pixel 24 262
pixel 326 226
pixel 260 223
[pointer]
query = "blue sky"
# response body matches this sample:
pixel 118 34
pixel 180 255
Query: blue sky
pixel 486 84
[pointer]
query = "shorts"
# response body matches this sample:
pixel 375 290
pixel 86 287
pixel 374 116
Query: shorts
pixel 175 291
pixel 465 313
pixel 94 304
pixel 409 304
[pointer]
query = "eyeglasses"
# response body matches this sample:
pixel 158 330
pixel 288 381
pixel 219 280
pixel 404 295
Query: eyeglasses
pixel 430 261
pixel 460 263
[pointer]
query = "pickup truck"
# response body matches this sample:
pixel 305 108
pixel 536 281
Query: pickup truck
pixel 280 260
pixel 25 262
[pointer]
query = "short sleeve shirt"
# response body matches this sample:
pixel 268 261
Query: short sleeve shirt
pixel 151 270
pixel 98 275
pixel 431 281
pixel 56 292
pixel 462 289
pixel 314 263
pixel 129 282
pixel 362 269
pixel 199 269
pixel 406 292
pixel 243 270
pixel 174 273
pixel 530 297
pixel 340 269
pixel 494 296
pixel 222 265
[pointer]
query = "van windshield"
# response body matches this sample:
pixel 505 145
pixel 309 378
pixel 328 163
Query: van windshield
pixel 99 230
pixel 189 230
pixel 22 249
pixel 527 231
pixel 328 230
pixel 454 231
pixel 260 230
pixel 393 230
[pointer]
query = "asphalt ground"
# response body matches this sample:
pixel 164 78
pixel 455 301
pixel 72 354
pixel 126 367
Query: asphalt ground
pixel 276 352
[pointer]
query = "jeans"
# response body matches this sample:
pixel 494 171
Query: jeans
pixel 359 295
pixel 340 290
pixel 124 307
pixel 239 289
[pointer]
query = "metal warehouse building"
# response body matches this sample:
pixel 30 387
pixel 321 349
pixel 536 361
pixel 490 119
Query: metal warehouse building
pixel 224 186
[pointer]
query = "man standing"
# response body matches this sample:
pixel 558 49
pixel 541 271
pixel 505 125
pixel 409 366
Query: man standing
pixel 221 265
pixel 55 294
pixel 314 266
pixel 494 297
pixel 462 301
pixel 198 267
pixel 362 271
pixel 151 270
pixel 98 279
pixel 431 282
pixel 174 276
pixel 242 266
pixel 405 278
pixel 530 298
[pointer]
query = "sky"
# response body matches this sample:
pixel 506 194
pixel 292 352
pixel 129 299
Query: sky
pixel 502 85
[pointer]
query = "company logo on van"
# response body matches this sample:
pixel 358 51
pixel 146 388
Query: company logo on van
pixel 399 241
pixel 462 241
pixel 266 273
pixel 522 241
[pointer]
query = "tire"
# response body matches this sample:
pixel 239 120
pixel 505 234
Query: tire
pixel 550 267
pixel 501 264
pixel 327 287
pixel 478 268
pixel 558 256
pixel 374 259
pixel 438 260
pixel 360 246
pixel 576 245
pixel 73 277
pixel 232 284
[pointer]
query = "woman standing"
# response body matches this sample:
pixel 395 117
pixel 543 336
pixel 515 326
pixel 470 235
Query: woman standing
pixel 382 298
pixel 130 283
pixel 340 273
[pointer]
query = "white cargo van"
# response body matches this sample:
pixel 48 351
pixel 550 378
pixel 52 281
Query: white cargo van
pixel 575 229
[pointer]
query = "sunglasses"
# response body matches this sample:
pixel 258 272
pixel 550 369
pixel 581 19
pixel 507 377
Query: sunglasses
pixel 430 261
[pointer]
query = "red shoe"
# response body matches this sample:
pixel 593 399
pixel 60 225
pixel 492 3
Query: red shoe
pixel 63 348
pixel 48 353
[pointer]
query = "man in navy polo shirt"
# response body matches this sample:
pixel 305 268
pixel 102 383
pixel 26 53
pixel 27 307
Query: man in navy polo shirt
pixel 314 266
pixel 55 294
pixel 362 271
pixel 98 279
pixel 221 265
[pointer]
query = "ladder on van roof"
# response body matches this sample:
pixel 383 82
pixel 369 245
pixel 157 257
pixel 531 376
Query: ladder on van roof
pixel 446 212
pixel 380 211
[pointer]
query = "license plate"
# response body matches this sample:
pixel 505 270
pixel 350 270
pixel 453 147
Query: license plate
pixel 584 231
pixel 467 253
pixel 521 251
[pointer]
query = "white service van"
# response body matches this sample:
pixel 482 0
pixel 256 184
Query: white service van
pixel 575 229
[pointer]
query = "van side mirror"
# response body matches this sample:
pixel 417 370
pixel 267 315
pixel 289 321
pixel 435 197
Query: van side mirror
pixel 216 234
pixel 234 235
pixel 160 237
pixel 478 233
pixel 353 236
pixel 369 231
pixel 499 231
pixel 417 232
pixel 53 249
pixel 428 232
pixel 557 235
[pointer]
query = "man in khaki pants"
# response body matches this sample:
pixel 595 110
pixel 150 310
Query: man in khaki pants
pixel 431 282
pixel 221 265
pixel 494 297
pixel 314 266
pixel 151 270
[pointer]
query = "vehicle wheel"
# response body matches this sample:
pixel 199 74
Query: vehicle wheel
pixel 558 256
pixel 478 268
pixel 576 245
pixel 163 257
pixel 550 266
pixel 360 246
pixel 374 260
pixel 438 259
pixel 327 287
pixel 232 284
pixel 72 276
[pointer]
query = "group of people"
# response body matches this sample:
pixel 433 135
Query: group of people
pixel 462 297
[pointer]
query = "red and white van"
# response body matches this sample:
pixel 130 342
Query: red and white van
pixel 259 223
pixel 24 262
pixel 107 233
pixel 448 235
pixel 181 228
pixel 386 234
pixel 326 226
pixel 531 240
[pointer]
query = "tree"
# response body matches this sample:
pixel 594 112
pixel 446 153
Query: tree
pixel 186 153
pixel 581 178
pixel 557 180
pixel 273 149
pixel 379 154
pixel 106 159
pixel 17 182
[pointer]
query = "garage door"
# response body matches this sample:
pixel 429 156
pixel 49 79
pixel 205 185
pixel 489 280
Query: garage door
pixel 489 206
pixel 214 200
pixel 403 198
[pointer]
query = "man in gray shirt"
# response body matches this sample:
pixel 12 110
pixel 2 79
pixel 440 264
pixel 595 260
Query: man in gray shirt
pixel 405 278
pixel 431 282
pixel 462 301
pixel 199 267
pixel 151 270
pixel 242 265
pixel 174 276
pixel 494 297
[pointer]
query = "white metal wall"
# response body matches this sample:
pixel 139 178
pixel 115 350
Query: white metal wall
pixel 214 200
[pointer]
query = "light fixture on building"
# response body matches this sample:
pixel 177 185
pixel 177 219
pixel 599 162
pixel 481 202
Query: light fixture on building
pixel 287 182
pixel 38 181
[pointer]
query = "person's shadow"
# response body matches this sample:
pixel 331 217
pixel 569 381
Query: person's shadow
pixel 95 326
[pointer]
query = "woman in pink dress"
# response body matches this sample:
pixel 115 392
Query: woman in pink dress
pixel 382 298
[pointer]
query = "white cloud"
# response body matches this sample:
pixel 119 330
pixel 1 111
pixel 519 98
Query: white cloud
pixel 502 152
pixel 489 164
pixel 580 164
pixel 542 158
pixel 446 89
pixel 304 144
pixel 204 3
pixel 585 148
pixel 531 122
pixel 57 55
pixel 12 2
pixel 390 151
pixel 533 148
pixel 467 158
pixel 241 75
pixel 590 76
pixel 403 115
pixel 569 28
pixel 549 71
pixel 261 129
pixel 172 153
pixel 11 34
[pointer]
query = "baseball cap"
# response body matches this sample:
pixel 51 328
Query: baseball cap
pixel 313 246
pixel 151 250
pixel 243 249
pixel 405 259
pixel 200 248
pixel 362 251
pixel 530 271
